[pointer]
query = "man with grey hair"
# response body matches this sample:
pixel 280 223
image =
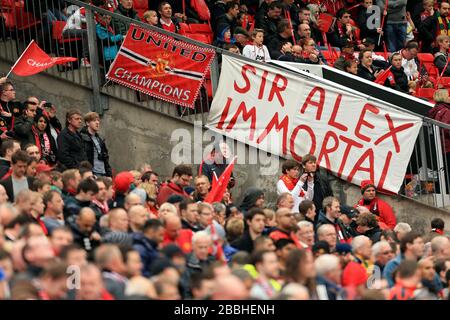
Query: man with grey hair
pixel 219 212
pixel 401 229
pixel 199 259
pixel 329 270
pixel 327 233
pixel 305 233
pixel 440 248
pixel 382 253
pixel 358 270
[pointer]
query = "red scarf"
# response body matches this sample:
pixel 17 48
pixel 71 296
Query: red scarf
pixel 102 206
pixel 438 231
pixel 291 183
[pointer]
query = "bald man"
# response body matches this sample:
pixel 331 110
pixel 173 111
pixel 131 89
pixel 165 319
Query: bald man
pixel 83 230
pixel 285 225
pixel 118 220
pixel 137 216
pixel 132 200
pixel 173 233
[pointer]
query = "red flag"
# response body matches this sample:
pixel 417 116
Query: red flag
pixel 218 188
pixel 34 60
pixel 381 78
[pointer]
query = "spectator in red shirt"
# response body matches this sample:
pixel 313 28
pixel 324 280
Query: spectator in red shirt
pixel 167 21
pixel 383 211
pixel 181 177
pixel 175 234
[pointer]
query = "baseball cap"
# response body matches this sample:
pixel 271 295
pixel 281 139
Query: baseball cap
pixel 349 211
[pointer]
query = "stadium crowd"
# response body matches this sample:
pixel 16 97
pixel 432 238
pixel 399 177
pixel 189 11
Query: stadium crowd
pixel 72 228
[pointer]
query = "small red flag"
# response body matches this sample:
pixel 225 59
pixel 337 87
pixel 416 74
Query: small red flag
pixel 34 60
pixel 218 188
pixel 381 78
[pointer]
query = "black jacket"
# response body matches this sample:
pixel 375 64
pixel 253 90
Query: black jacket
pixel 148 250
pixel 5 165
pixel 8 185
pixel 337 225
pixel 244 243
pixel 251 195
pixel 222 23
pixel 401 80
pixel 373 234
pixel 365 73
pixel 70 149
pixel 267 24
pixel 82 238
pixel 274 43
pixel 193 265
pixel 427 32
pixel 322 189
pixel 91 151
pixel 119 26
pixel 22 128
pixel 440 61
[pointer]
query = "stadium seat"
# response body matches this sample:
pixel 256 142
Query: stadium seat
pixel 57 30
pixel 202 29
pixel 184 28
pixel 444 81
pixel 18 19
pixel 427 60
pixel 425 93
pixel 199 37
pixel 140 6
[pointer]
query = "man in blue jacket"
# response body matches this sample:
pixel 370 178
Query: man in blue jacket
pixel 146 243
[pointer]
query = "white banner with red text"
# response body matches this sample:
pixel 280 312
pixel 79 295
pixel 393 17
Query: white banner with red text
pixel 353 136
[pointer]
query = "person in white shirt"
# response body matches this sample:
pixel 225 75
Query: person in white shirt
pixel 257 51
pixel 290 182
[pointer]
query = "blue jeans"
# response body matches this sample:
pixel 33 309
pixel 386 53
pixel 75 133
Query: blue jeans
pixel 395 35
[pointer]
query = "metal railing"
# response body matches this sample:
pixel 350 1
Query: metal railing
pixel 427 177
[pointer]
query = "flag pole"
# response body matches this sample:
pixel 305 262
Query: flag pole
pixel 18 59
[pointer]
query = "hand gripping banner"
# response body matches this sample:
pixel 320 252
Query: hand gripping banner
pixel 160 66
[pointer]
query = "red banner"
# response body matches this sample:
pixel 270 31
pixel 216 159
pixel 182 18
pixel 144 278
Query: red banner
pixel 34 60
pixel 160 66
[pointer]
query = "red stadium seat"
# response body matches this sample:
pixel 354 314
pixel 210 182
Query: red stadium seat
pixel 184 28
pixel 57 30
pixel 202 29
pixel 18 19
pixel 425 93
pixel 199 37
pixel 427 59
pixel 444 81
